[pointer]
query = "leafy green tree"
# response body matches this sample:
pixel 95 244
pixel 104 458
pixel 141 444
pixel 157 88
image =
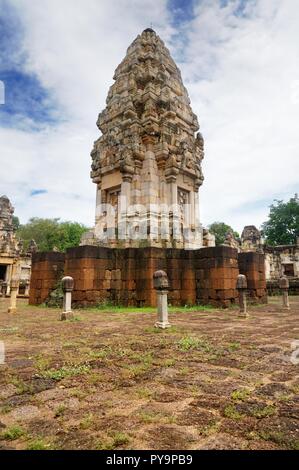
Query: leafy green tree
pixel 220 229
pixel 282 226
pixel 51 233
pixel 15 222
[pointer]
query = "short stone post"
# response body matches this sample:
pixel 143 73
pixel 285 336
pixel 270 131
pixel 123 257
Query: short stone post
pixel 241 288
pixel 27 287
pixel 284 287
pixel 4 288
pixel 67 287
pixel 14 287
pixel 161 286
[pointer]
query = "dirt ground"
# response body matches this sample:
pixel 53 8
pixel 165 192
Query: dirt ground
pixel 110 380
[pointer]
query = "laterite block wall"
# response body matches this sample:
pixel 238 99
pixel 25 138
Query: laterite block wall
pixel 47 269
pixel 125 276
pixel 216 275
pixel 253 266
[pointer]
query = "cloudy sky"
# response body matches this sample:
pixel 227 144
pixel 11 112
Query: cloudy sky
pixel 239 61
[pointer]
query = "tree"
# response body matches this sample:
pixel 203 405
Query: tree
pixel 282 226
pixel 50 233
pixel 15 222
pixel 220 229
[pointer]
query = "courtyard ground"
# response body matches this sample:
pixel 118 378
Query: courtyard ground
pixel 110 380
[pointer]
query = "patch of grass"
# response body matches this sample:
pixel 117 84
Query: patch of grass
pixel 279 438
pixel 78 393
pixel 152 329
pixel 21 386
pixel 101 354
pixel 106 444
pixel 111 308
pixel 66 371
pixel 60 410
pixel 143 358
pixel 285 397
pixel 210 429
pixel 136 370
pixel 294 444
pixel 4 410
pixel 87 422
pixel 233 346
pixel 273 436
pixel 192 308
pixel 194 389
pixel 75 318
pixel 42 363
pixel 168 362
pixel 171 419
pixel 144 393
pixel 70 345
pixel 95 377
pixel 188 343
pixel 149 417
pixel 13 433
pixel 264 412
pixel 120 439
pixel 115 439
pixel 295 389
pixel 184 370
pixel 38 444
pixel 240 395
pixel 231 412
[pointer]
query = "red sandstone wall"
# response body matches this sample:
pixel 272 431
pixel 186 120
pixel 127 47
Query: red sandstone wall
pixel 253 266
pixel 216 275
pixel 125 276
pixel 47 269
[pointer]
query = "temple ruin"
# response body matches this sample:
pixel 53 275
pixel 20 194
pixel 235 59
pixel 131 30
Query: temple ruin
pixel 14 261
pixel 147 162
pixel 147 169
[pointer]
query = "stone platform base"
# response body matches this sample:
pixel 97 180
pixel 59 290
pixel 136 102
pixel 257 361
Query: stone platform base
pixel 205 276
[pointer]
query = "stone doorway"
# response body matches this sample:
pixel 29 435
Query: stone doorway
pixel 3 268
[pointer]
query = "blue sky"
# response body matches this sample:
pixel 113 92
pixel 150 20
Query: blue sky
pixel 239 63
pixel 27 102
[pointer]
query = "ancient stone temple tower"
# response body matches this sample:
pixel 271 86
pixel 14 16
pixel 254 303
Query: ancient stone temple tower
pixel 13 259
pixel 147 163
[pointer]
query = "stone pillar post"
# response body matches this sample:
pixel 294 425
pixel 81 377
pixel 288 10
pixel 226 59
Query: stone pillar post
pixel 196 208
pixel 161 286
pixel 241 287
pixel 27 287
pixel 284 287
pixel 124 201
pixel 4 288
pixel 8 278
pixel 14 287
pixel 67 287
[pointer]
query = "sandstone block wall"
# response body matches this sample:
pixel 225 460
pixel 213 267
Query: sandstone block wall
pixel 47 270
pixel 125 276
pixel 253 266
pixel 216 275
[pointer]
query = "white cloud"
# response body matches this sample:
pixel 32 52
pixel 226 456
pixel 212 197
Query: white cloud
pixel 241 73
pixel 73 47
